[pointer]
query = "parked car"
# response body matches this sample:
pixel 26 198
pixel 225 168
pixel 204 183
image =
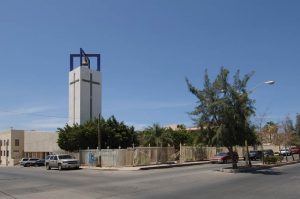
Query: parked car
pixel 22 161
pixel 30 162
pixel 268 152
pixel 224 157
pixel 276 153
pixel 40 162
pixel 285 152
pixel 254 155
pixel 62 162
pixel 295 150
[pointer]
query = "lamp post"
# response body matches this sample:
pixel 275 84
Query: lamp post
pixel 99 135
pixel 269 82
pixel 99 142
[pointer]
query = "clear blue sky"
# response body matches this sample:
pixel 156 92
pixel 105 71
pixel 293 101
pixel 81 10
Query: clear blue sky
pixel 147 49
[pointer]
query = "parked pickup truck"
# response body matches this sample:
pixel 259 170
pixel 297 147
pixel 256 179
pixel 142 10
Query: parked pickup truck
pixel 61 162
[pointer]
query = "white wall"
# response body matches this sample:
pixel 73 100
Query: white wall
pixel 40 141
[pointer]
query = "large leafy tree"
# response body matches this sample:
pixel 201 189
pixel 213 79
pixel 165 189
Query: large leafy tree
pixel 223 110
pixel 114 134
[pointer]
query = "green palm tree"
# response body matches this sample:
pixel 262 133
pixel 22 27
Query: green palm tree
pixel 153 135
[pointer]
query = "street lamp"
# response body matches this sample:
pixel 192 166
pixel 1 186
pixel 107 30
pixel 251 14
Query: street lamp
pixel 269 82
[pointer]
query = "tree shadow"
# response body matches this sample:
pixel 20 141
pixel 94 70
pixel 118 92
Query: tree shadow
pixel 263 172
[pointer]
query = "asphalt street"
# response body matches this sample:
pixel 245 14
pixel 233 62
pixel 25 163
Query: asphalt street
pixel 201 181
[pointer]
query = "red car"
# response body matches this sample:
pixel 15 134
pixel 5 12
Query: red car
pixel 224 157
pixel 295 150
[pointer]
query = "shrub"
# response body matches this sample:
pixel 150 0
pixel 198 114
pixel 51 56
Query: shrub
pixel 272 159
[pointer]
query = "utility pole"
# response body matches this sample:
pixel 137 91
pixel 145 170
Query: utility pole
pixel 99 141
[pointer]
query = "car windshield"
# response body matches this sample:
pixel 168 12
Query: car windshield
pixel 267 152
pixel 221 154
pixel 65 157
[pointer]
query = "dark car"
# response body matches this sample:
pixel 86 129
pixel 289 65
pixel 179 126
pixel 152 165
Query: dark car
pixel 224 157
pixel 268 152
pixel 40 162
pixel 254 155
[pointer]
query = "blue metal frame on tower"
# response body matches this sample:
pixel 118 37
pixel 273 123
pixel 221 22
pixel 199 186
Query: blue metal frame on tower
pixel 87 56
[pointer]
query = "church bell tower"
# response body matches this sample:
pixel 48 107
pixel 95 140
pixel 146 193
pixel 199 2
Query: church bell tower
pixel 84 88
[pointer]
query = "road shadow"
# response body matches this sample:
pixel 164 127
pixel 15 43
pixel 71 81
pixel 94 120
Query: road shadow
pixel 263 172
pixel 258 170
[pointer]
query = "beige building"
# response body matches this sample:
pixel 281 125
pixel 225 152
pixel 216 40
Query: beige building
pixel 16 144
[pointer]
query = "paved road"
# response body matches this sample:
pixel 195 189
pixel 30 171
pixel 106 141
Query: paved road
pixel 201 181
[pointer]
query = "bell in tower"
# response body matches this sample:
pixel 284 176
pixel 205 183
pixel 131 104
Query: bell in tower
pixel 85 61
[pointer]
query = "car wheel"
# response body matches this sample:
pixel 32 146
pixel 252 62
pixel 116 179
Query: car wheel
pixel 48 167
pixel 59 167
pixel 225 161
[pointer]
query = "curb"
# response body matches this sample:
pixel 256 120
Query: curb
pixel 172 165
pixel 256 167
pixel 149 167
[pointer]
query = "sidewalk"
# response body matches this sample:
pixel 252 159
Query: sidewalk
pixel 148 167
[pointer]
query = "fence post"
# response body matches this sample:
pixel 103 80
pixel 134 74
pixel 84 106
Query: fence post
pixel 180 153
pixel 133 157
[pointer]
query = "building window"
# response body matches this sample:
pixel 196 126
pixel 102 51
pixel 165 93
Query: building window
pixel 17 142
pixel 0 153
pixel 7 142
pixel 0 142
pixel 7 153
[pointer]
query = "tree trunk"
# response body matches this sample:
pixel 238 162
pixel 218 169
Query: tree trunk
pixel 234 164
pixel 292 156
pixel 248 161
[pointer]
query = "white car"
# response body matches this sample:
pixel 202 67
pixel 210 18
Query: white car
pixel 22 161
pixel 285 151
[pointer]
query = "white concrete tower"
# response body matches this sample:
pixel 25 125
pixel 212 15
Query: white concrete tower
pixel 84 89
